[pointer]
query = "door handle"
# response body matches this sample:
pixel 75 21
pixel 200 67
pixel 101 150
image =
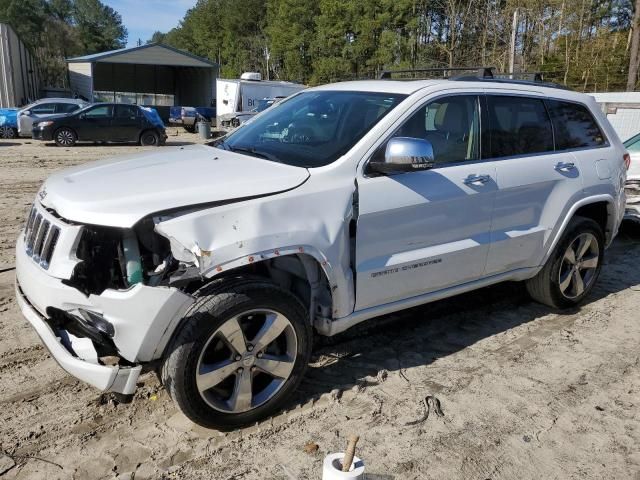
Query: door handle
pixel 565 166
pixel 476 179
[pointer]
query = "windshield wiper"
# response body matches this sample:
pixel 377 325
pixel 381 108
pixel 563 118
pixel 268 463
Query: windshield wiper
pixel 253 152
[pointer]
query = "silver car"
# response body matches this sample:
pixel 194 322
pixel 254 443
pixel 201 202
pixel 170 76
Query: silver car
pixel 45 108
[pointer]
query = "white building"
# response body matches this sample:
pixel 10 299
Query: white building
pixel 622 110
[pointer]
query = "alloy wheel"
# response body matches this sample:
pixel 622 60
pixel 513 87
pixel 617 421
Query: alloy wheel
pixel 579 265
pixel 246 361
pixel 65 137
pixel 6 132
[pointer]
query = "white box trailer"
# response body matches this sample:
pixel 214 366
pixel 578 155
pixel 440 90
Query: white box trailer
pixel 243 94
pixel 622 110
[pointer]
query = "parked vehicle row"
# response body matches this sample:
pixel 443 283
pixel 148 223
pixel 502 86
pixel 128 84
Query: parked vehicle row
pixel 345 202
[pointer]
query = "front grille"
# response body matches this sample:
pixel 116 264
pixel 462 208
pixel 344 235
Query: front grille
pixel 40 237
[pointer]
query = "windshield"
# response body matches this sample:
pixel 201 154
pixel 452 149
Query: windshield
pixel 311 129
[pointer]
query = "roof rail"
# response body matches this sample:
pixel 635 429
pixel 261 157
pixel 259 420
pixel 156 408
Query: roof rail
pixel 481 72
pixel 475 74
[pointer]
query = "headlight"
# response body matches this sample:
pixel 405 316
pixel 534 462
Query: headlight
pixel 43 124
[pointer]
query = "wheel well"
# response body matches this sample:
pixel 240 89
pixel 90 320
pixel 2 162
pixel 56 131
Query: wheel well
pixel 598 212
pixel 301 274
pixel 147 130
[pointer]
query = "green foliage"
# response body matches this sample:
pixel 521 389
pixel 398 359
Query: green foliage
pixel 56 29
pixel 583 44
pixel 99 26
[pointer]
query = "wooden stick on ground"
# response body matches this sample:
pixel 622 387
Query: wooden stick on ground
pixel 351 451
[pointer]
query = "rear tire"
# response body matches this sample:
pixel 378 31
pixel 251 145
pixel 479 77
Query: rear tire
pixel 240 352
pixel 149 138
pixel 573 268
pixel 65 137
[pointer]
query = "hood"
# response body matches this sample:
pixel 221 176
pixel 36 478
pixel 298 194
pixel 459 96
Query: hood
pixel 121 191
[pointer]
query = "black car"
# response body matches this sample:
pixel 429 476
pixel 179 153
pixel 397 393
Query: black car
pixel 103 122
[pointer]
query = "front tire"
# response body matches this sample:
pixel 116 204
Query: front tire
pixel 65 137
pixel 573 267
pixel 241 351
pixel 8 132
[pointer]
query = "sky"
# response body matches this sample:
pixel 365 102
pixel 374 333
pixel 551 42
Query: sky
pixel 143 17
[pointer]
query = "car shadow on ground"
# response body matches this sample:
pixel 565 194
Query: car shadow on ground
pixel 9 144
pixel 169 143
pixel 421 335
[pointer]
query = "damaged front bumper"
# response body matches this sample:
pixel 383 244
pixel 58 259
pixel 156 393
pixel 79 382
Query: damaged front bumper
pixel 141 320
pixel 108 378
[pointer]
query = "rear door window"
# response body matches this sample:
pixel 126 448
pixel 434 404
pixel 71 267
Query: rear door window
pixel 66 107
pixel 518 126
pixel 574 126
pixel 126 111
pixel 44 109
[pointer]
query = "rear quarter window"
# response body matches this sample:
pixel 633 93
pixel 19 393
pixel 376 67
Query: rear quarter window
pixel 574 126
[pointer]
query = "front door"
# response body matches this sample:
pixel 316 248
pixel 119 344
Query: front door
pixel 94 124
pixel 424 231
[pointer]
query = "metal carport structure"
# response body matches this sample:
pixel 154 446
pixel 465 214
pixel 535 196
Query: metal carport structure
pixel 153 75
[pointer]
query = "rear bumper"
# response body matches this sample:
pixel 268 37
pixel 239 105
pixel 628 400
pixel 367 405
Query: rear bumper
pixel 188 121
pixel 114 379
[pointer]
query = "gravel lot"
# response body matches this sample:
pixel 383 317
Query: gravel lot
pixel 526 392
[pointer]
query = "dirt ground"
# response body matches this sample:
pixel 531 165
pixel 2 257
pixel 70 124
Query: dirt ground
pixel 526 392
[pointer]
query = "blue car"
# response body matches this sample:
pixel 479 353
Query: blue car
pixel 8 122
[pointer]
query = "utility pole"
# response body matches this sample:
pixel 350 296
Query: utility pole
pixel 514 33
pixel 634 59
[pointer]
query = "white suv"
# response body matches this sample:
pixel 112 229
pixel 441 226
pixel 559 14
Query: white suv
pixel 215 265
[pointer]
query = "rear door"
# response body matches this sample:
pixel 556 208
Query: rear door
pixel 127 122
pixel 94 124
pixel 536 181
pixel 423 231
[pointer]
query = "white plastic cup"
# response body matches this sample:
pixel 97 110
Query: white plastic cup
pixel 332 468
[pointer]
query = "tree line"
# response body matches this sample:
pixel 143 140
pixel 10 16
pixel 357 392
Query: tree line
pixel 589 45
pixel 585 44
pixel 54 30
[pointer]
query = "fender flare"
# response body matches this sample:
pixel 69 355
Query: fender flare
pixel 571 213
pixel 336 291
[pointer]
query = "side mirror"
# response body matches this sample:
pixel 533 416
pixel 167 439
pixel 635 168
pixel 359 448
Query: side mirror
pixel 26 112
pixel 405 154
pixel 82 116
